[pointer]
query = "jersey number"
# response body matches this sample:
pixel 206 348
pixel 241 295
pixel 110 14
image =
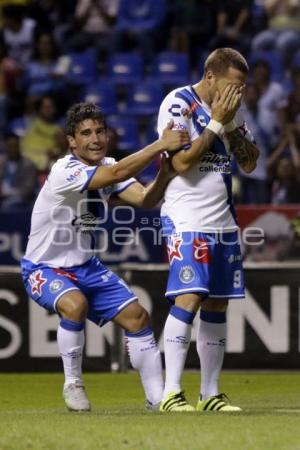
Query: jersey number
pixel 237 279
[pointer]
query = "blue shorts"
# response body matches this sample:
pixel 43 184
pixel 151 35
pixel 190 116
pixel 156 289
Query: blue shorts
pixel 107 294
pixel 205 263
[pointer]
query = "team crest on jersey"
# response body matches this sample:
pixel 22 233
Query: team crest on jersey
pixel 174 245
pixel 201 252
pixel 55 286
pixel 186 274
pixel 36 282
pixel 179 126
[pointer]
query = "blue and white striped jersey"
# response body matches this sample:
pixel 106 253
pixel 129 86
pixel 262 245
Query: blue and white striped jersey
pixel 64 216
pixel 201 198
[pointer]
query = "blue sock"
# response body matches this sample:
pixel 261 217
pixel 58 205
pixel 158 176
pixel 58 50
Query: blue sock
pixel 70 325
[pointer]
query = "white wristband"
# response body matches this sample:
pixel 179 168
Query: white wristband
pixel 215 127
pixel 230 126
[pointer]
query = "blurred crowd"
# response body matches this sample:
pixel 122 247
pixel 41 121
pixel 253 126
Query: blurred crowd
pixel 54 53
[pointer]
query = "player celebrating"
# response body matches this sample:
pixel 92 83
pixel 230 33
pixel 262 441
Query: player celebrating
pixel 59 270
pixel 200 224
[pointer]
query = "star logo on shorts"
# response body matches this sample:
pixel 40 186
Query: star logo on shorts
pixel 36 282
pixel 174 245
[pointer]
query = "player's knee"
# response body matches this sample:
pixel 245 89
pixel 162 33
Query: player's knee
pixel 73 307
pixel 188 302
pixel 138 321
pixel 214 305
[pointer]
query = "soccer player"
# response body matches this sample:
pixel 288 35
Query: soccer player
pixel 59 269
pixel 200 224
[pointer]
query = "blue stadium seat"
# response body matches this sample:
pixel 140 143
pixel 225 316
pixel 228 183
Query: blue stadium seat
pixel 144 99
pixel 273 58
pixel 172 69
pixel 83 67
pixel 19 126
pixel 296 60
pixel 104 95
pixel 200 65
pixel 137 15
pixel 127 131
pixel 151 130
pixel 124 68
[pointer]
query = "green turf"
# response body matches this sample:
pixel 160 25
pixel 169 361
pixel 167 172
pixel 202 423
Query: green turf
pixel 33 416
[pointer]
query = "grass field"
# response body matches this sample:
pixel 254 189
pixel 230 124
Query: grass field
pixel 33 415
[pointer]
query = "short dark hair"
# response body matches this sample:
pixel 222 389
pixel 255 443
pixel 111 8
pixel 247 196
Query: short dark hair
pixel 80 112
pixel 221 59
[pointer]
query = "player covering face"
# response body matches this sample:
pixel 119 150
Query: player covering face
pixel 59 269
pixel 200 224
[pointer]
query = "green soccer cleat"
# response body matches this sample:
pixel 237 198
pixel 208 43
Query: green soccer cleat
pixel 175 402
pixel 218 403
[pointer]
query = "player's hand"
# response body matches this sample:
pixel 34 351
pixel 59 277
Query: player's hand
pixel 225 105
pixel 173 140
pixel 167 170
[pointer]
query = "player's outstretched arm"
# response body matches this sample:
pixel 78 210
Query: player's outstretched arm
pixel 171 140
pixel 148 197
pixel 246 153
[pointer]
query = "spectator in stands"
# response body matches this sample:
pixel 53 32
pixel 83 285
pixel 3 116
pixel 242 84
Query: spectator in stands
pixel 10 70
pixel 192 26
pixel 24 116
pixel 113 150
pixel 93 24
pixel 283 33
pixel 40 75
pixel 254 185
pixel 286 186
pixel 17 176
pixel 285 164
pixel 272 101
pixel 233 24
pixel 292 112
pixel 18 33
pixel 53 16
pixel 139 26
pixel 40 141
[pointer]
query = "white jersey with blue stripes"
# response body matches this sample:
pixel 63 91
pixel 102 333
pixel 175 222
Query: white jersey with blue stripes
pixel 65 214
pixel 201 198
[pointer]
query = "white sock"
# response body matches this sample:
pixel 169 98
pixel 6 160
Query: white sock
pixel 145 357
pixel 177 337
pixel 211 341
pixel 70 344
